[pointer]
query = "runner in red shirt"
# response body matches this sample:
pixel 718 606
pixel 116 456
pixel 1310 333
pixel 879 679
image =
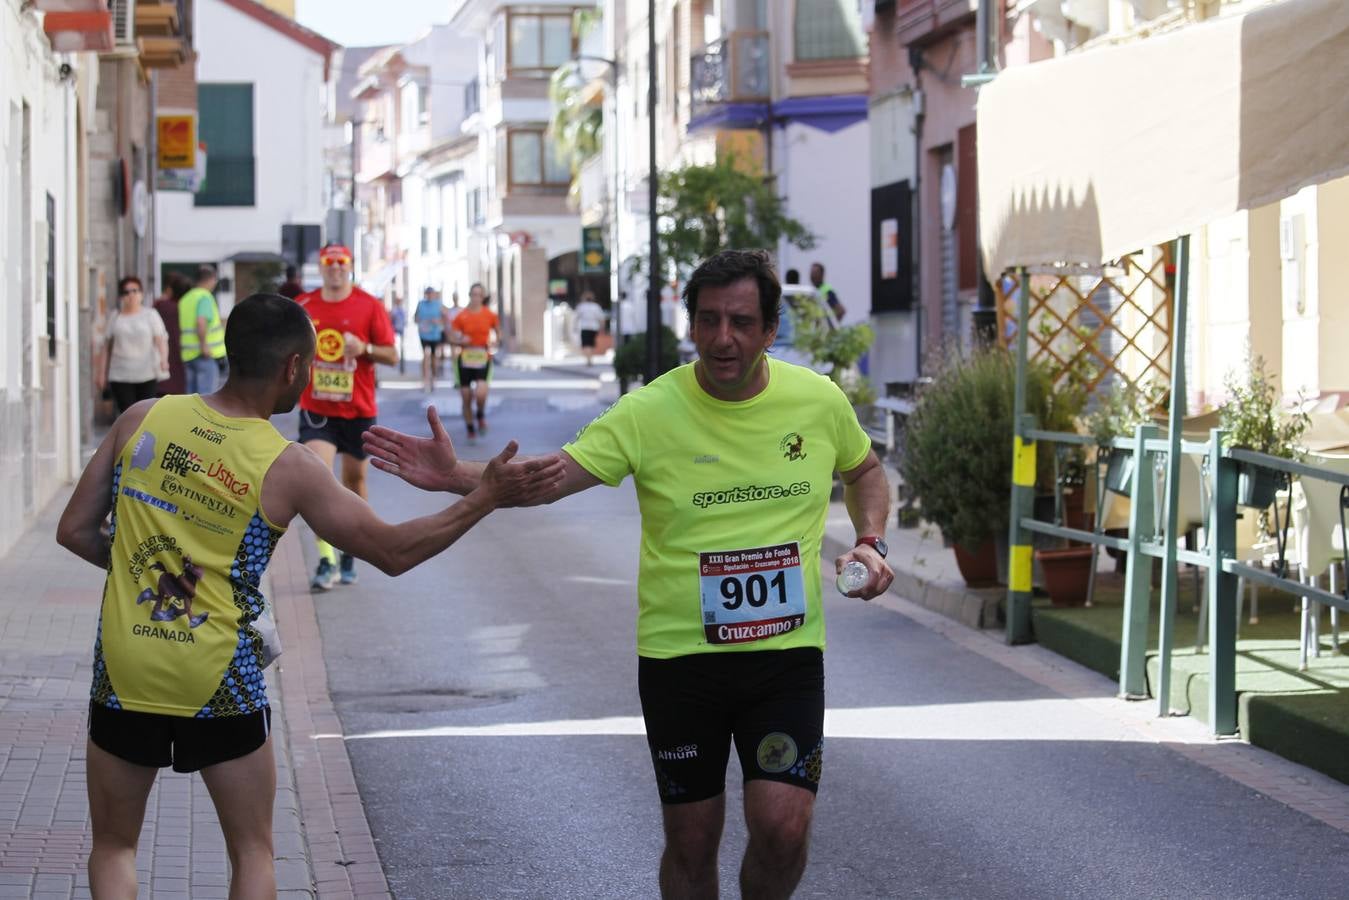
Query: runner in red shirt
pixel 354 332
pixel 475 330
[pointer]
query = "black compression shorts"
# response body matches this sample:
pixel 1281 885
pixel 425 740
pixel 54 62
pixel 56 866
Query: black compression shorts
pixel 184 742
pixel 770 702
pixel 344 434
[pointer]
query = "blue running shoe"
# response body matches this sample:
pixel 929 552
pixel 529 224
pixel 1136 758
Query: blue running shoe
pixel 325 576
pixel 348 568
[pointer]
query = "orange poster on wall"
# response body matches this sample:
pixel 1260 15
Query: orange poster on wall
pixel 177 141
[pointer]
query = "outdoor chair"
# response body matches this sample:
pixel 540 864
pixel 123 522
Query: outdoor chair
pixel 1253 548
pixel 1320 540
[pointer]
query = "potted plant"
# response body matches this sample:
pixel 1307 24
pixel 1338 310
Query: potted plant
pixel 1118 414
pixel 837 347
pixel 958 457
pixel 630 357
pixel 1253 421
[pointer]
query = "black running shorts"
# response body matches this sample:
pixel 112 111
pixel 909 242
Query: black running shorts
pixel 770 702
pixel 468 375
pixel 344 434
pixel 184 742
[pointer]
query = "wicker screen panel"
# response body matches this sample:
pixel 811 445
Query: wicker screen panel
pixel 1109 328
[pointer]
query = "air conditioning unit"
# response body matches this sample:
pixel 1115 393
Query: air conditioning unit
pixel 123 22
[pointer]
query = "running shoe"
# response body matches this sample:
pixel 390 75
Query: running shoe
pixel 347 564
pixel 472 434
pixel 325 576
pixel 482 423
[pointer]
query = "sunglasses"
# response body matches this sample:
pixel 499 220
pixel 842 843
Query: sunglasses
pixel 130 290
pixel 335 261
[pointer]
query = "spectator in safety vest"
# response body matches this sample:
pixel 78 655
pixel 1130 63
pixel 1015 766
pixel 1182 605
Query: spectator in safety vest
pixel 201 334
pixel 826 292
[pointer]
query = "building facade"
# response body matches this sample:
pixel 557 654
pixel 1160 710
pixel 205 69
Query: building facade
pixel 261 130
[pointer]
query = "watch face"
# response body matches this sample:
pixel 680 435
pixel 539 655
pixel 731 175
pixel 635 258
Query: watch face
pixel 877 544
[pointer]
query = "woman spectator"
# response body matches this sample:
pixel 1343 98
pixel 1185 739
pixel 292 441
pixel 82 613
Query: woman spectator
pixel 137 350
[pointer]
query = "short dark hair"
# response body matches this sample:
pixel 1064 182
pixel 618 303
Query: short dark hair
pixel 291 271
pixel 792 277
pixel 128 279
pixel 262 331
pixel 730 266
pixel 205 272
pixel 177 284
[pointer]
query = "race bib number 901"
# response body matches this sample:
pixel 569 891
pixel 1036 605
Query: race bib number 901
pixel 752 594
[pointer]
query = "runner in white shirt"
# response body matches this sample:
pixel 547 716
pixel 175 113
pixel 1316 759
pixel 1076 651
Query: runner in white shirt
pixel 590 321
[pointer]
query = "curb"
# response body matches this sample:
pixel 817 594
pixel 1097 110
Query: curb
pixel 341 850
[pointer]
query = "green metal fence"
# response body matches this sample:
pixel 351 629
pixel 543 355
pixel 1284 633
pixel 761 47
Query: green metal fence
pixel 1147 541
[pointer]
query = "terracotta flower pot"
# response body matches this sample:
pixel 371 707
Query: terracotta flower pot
pixel 1066 574
pixel 978 567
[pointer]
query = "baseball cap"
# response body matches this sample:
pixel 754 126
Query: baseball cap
pixel 334 254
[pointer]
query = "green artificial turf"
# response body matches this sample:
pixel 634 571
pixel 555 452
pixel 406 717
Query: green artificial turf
pixel 1303 716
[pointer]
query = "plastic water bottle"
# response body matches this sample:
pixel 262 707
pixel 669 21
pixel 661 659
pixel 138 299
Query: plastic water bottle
pixel 853 577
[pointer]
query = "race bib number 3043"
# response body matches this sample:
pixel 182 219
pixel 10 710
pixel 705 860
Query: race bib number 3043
pixel 749 595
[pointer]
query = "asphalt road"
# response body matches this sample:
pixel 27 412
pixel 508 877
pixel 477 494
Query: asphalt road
pixel 490 707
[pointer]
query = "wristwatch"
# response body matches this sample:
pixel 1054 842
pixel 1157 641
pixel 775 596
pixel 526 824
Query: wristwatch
pixel 875 542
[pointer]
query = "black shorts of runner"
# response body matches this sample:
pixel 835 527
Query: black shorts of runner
pixel 771 703
pixel 184 742
pixel 469 375
pixel 429 347
pixel 344 434
pixel 588 336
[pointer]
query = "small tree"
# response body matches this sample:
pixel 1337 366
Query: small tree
pixel 705 209
pixel 838 347
pixel 577 128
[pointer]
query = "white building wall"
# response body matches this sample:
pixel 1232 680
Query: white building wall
pixel 287 140
pixel 1300 249
pixel 836 208
pixel 39 146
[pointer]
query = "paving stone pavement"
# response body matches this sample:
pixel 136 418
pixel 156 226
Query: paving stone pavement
pixel 49 608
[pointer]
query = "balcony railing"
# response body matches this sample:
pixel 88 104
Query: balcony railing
pixel 733 69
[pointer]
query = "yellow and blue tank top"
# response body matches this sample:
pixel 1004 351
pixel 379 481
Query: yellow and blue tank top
pixel 189 546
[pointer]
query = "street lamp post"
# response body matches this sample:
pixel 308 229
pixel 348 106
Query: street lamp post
pixel 356 124
pixel 653 333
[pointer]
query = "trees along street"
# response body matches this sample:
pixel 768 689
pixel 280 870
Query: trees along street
pixel 490 708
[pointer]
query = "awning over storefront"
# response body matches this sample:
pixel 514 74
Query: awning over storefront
pixel 1091 156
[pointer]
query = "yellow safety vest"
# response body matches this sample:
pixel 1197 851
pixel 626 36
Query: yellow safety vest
pixel 189 340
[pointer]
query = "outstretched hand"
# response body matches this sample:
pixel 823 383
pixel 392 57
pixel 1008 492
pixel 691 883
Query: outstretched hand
pixel 427 463
pixel 522 483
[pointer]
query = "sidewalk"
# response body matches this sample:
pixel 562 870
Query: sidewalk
pixel 48 617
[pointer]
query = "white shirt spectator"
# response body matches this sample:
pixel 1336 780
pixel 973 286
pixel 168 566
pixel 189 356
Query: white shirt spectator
pixel 589 316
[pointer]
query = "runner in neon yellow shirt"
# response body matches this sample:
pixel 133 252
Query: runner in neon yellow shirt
pixel 733 459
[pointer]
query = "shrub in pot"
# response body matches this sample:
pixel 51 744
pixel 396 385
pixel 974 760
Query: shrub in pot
pixel 1253 420
pixel 630 357
pixel 1117 414
pixel 958 446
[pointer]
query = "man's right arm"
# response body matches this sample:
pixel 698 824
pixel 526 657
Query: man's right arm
pixel 300 484
pixel 431 464
pixel 575 478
